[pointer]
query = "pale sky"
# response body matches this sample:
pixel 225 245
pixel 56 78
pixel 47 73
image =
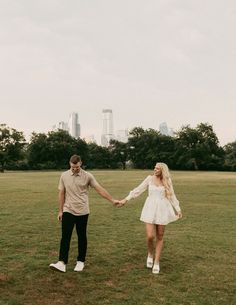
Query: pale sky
pixel 150 61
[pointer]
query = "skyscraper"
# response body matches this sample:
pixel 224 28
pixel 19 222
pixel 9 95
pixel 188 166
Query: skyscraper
pixel 107 127
pixel 122 135
pixel 61 125
pixel 164 129
pixel 74 126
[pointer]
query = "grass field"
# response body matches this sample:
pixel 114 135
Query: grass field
pixel 198 259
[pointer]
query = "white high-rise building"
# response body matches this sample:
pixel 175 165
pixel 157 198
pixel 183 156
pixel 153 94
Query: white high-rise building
pixel 74 126
pixel 61 125
pixel 163 128
pixel 107 127
pixel 122 135
pixel 171 132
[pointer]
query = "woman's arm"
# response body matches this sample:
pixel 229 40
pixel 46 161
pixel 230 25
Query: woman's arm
pixel 175 203
pixel 136 191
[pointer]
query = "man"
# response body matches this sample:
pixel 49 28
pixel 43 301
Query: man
pixel 74 210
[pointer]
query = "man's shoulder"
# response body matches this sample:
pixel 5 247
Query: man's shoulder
pixel 85 173
pixel 66 173
pixel 90 177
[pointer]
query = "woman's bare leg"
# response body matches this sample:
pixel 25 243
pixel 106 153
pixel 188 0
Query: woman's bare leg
pixel 160 229
pixel 150 235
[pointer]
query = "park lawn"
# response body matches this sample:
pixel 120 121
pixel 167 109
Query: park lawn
pixel 198 260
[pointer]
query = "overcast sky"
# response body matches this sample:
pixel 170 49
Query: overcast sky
pixel 150 61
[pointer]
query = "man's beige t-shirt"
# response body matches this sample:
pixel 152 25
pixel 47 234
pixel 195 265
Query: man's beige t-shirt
pixel 76 188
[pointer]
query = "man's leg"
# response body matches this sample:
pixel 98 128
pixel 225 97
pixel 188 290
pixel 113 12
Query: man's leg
pixel 81 229
pixel 68 221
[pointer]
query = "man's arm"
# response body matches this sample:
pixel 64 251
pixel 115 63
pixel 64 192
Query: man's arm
pixel 104 193
pixel 61 199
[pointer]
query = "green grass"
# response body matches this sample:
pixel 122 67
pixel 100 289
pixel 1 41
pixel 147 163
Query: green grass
pixel 198 260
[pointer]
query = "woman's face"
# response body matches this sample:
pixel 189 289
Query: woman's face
pixel 157 170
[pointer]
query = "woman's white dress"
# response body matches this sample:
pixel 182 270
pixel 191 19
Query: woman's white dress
pixel 157 208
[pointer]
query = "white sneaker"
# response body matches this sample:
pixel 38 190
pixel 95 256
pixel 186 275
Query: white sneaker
pixel 79 266
pixel 59 266
pixel 156 268
pixel 149 262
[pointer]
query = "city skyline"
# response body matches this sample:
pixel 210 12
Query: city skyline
pixel 72 125
pixel 96 134
pixel 107 132
pixel 149 62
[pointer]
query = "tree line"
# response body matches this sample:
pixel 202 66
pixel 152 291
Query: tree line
pixel 189 149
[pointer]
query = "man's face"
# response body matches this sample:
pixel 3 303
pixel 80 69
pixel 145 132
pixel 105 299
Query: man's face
pixel 75 167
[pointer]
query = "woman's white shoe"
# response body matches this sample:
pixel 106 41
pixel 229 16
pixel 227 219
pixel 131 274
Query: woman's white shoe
pixel 149 262
pixel 156 268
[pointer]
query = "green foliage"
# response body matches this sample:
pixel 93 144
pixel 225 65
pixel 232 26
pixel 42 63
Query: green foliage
pixel 198 149
pixel 120 153
pixel 12 143
pixel 146 147
pixel 53 150
pixel 190 149
pixel 99 157
pixel 230 156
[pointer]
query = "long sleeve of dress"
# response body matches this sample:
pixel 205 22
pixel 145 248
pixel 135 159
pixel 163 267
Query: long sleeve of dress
pixel 139 189
pixel 175 201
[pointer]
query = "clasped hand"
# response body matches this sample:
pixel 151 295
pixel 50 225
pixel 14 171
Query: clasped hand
pixel 119 203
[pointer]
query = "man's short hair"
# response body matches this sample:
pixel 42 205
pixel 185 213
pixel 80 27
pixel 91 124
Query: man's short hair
pixel 75 159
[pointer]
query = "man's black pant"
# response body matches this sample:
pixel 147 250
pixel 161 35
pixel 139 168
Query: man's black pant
pixel 68 222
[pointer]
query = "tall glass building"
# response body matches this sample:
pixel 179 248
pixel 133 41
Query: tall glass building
pixel 107 127
pixel 163 128
pixel 73 125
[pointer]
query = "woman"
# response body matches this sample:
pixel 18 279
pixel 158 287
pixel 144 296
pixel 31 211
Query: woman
pixel 161 207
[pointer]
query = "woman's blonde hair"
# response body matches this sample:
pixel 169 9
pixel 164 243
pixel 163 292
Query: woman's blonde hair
pixel 166 179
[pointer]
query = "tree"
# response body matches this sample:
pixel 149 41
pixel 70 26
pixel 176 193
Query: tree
pixel 198 148
pixel 230 156
pixel 37 151
pixel 53 150
pixel 99 157
pixel 146 147
pixel 141 147
pixel 62 146
pixel 119 151
pixel 12 143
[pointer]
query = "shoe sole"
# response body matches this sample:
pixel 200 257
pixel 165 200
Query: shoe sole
pixel 155 271
pixel 79 270
pixel 55 269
